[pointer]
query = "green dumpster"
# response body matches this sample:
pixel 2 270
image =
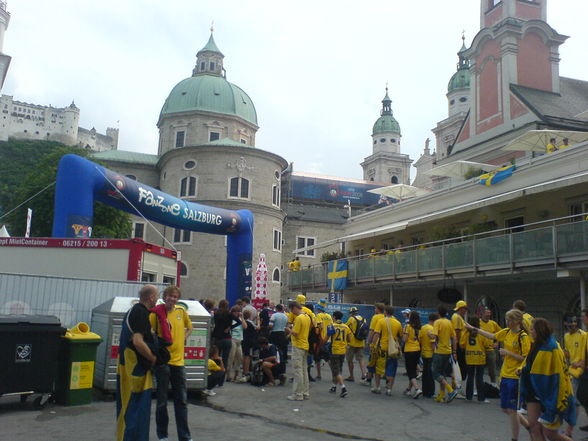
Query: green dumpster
pixel 76 366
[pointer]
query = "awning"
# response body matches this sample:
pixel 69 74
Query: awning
pixel 399 191
pixel 459 169
pixel 537 140
pixel 473 205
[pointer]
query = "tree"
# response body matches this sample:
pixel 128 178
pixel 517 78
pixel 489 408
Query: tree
pixel 108 221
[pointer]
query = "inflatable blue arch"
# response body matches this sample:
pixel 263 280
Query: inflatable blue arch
pixel 81 182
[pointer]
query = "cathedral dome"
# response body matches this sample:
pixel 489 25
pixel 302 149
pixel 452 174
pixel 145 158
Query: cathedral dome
pixel 459 81
pixel 386 124
pixel 209 93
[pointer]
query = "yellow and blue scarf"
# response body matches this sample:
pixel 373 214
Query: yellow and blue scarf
pixel 549 380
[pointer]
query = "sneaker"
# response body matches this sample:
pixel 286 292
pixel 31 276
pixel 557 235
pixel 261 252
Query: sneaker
pixel 311 379
pixel 163 439
pixel 365 382
pixel 349 379
pixel 417 394
pixel 333 389
pixel 295 397
pixel 407 393
pixel 484 401
pixel 376 390
pixel 283 379
pixel 584 428
pixel 242 379
pixel 306 397
pixel 389 392
pixel 439 398
pixel 209 392
pixel 343 393
pixel 451 396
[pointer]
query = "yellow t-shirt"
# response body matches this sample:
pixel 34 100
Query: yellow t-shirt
pixel 412 342
pixel 301 327
pixel 575 344
pixel 324 320
pixel 352 323
pixel 444 330
pixel 179 321
pixel 339 338
pixel 382 329
pixel 307 311
pixel 492 327
pixel 474 347
pixel 551 148
pixel 374 320
pixel 458 322
pixel 212 366
pixel 516 342
pixel 425 341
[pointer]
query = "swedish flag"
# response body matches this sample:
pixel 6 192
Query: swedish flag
pixel 498 175
pixel 338 275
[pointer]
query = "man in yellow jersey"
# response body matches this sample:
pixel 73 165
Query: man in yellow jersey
pixel 301 299
pixel 575 351
pixel 489 325
pixel 458 322
pixel 582 395
pixel 300 346
pixel 173 372
pixel 427 348
pixel 323 321
pixel 386 328
pixel 551 147
pixel 371 366
pixel 340 335
pixel 445 347
pixel 355 347
pixel 527 318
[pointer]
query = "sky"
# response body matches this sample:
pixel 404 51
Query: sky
pixel 315 70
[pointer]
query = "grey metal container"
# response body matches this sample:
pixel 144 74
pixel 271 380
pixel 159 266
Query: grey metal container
pixel 107 321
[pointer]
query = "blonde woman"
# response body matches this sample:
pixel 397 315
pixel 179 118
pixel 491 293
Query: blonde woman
pixel 516 342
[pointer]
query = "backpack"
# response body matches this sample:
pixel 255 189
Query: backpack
pixel 257 376
pixel 362 329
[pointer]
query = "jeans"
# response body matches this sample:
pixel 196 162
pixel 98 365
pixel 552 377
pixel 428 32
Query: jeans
pixel 177 376
pixel 300 387
pixel 215 379
pixel 224 349
pixel 428 381
pixel 279 339
pixel 477 372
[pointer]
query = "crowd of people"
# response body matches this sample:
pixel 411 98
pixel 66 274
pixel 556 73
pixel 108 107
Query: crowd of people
pixel 540 384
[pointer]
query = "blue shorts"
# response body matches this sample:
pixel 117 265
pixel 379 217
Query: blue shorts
pixel 391 366
pixel 509 393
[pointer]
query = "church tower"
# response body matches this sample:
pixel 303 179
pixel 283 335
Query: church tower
pixel 515 48
pixel 387 165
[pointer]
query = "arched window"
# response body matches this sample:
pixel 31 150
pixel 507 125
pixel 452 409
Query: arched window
pixel 276 275
pixel 394 179
pixel 183 270
pixel 188 186
pixel 239 188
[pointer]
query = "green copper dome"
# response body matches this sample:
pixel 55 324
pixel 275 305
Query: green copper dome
pixel 386 123
pixel 209 93
pixel 460 80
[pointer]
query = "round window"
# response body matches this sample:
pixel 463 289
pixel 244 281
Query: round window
pixel 463 99
pixel 393 140
pixel 383 140
pixel 189 165
pixel 452 102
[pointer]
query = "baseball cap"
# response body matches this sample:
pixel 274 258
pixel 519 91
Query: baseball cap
pixel 406 311
pixel 460 304
pixel 301 298
pixel 353 309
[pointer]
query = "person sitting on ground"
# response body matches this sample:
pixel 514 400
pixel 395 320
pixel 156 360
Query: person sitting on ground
pixel 339 334
pixel 216 371
pixel 269 356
